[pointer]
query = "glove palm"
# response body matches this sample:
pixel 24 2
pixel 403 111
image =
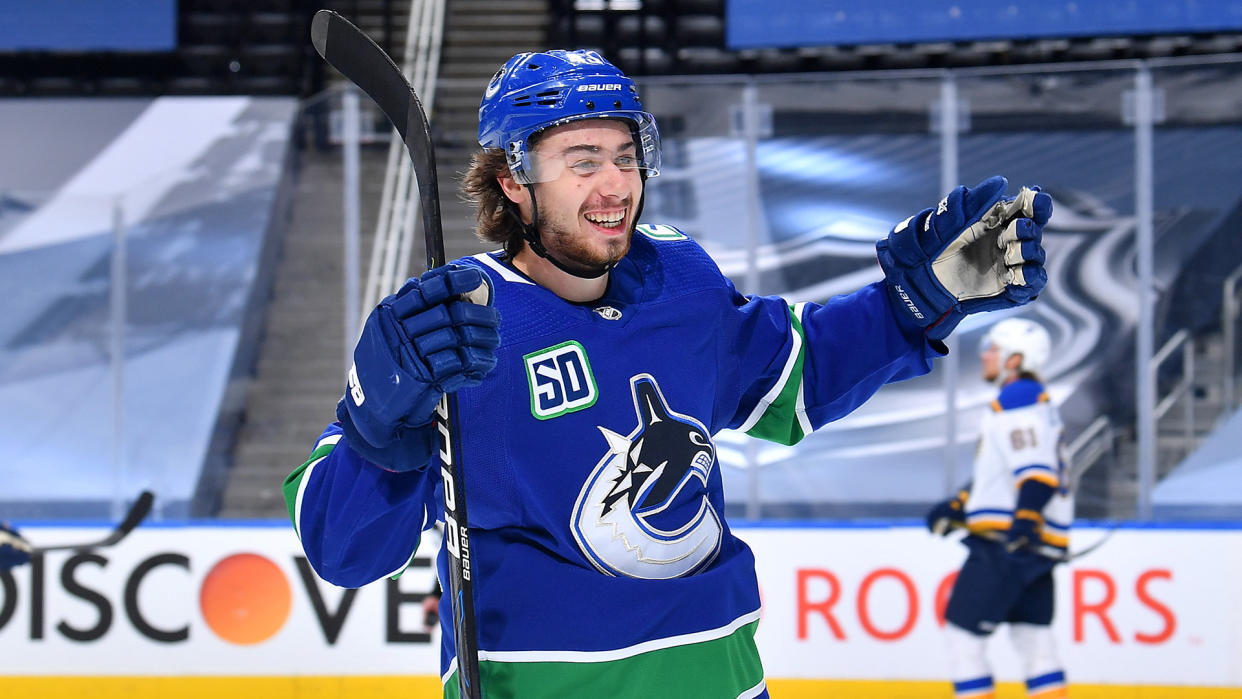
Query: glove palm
pixel 976 251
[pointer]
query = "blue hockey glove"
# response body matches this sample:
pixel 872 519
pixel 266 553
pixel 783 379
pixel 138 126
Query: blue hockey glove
pixel 1024 530
pixel 976 251
pixel 946 515
pixel 14 550
pixel 436 335
pixel 1027 522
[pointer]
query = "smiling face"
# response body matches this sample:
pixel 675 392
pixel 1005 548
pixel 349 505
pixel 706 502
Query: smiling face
pixel 588 192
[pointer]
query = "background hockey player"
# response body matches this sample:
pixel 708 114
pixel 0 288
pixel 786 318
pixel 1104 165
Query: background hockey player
pixel 14 550
pixel 1018 514
pixel 590 382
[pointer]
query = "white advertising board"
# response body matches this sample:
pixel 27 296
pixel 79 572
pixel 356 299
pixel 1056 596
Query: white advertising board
pixel 1151 606
pixel 207 600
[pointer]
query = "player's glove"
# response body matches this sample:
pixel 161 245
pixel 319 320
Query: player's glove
pixel 14 550
pixel 976 251
pixel 1023 530
pixel 1027 521
pixel 947 514
pixel 436 335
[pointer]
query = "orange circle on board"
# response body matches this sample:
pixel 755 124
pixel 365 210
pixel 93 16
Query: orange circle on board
pixel 245 599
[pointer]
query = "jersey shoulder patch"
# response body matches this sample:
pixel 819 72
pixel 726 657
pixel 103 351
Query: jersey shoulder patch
pixel 657 231
pixel 675 259
pixel 1020 394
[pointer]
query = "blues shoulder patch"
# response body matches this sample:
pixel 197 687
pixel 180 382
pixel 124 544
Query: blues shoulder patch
pixel 660 232
pixel 1020 394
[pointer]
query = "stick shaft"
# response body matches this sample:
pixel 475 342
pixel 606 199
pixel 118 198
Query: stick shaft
pixel 360 59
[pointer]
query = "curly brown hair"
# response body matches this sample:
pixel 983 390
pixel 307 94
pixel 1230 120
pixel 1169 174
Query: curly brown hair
pixel 495 220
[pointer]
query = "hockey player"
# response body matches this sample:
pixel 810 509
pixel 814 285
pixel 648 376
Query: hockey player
pixel 590 382
pixel 1018 513
pixel 14 550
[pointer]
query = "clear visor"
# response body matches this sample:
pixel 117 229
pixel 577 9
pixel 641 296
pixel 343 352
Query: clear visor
pixel 530 166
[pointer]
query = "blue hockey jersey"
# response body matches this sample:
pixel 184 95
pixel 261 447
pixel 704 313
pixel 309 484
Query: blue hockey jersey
pixel 602 563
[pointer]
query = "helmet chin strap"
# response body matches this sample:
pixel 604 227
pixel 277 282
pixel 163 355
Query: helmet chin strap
pixel 530 232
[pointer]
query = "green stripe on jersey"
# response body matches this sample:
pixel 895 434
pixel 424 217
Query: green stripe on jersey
pixel 780 420
pixel 293 483
pixel 660 232
pixel 722 668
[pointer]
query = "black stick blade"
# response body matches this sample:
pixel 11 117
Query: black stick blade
pixel 353 53
pixel 137 512
pixel 356 56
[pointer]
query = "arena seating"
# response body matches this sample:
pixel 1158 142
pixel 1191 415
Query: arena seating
pixel 257 47
pixel 677 37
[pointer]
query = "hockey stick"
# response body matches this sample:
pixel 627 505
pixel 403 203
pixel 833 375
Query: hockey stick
pixel 1075 555
pixel 357 57
pixel 944 526
pixel 137 512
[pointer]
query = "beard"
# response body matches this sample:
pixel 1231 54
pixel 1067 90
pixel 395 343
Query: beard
pixel 567 246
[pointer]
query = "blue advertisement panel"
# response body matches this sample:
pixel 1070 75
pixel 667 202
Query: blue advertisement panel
pixel 88 25
pixel 792 23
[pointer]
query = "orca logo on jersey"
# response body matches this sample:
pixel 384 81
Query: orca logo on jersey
pixel 643 512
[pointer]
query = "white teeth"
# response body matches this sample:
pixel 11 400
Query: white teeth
pixel 610 219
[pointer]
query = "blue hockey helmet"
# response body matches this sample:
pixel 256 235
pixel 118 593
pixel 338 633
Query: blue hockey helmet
pixel 537 91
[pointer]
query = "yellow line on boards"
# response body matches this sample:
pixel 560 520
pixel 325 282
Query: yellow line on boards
pixel 428 687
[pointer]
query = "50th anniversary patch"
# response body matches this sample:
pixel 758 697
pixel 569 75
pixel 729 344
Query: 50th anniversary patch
pixel 560 380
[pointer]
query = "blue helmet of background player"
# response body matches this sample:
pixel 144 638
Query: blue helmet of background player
pixel 537 91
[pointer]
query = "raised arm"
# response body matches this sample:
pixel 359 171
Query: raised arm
pixel 361 500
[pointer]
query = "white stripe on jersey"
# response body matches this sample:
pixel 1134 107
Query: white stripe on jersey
pixel 504 272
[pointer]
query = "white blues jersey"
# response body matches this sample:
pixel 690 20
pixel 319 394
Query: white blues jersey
pixel 1020 438
pixel 602 563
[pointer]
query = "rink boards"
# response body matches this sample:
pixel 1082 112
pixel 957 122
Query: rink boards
pixel 849 611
